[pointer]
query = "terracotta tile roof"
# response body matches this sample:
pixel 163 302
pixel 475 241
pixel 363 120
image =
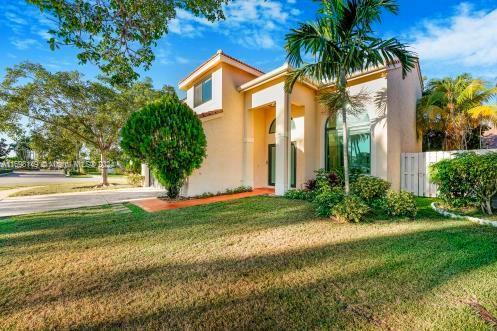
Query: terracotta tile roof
pixel 220 52
pixel 210 113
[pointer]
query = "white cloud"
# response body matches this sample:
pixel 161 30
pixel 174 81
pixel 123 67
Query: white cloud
pixel 24 44
pixel 250 23
pixel 182 60
pixel 469 38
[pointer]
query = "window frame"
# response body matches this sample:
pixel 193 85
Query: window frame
pixel 201 92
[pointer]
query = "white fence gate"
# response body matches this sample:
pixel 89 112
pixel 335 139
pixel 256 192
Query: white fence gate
pixel 415 167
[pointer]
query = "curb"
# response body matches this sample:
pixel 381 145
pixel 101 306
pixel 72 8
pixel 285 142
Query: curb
pixel 469 218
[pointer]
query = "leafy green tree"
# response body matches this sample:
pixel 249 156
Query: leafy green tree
pixel 342 42
pixel 21 148
pixel 455 107
pixel 118 35
pixel 168 136
pixel 4 149
pixel 90 111
pixel 52 144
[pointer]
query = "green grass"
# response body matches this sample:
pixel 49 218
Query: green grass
pixel 68 188
pixel 470 211
pixel 255 263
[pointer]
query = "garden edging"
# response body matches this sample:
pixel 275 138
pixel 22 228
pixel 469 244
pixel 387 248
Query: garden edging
pixel 469 218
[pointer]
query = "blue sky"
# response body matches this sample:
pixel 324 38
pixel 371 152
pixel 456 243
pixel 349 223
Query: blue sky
pixel 450 37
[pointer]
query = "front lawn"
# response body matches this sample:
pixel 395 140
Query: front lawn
pixel 69 188
pixel 255 263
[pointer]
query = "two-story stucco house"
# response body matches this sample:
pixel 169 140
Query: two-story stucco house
pixel 260 136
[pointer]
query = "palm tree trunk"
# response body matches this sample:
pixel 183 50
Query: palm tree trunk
pixel 345 151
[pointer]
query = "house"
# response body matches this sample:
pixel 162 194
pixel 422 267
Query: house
pixel 260 136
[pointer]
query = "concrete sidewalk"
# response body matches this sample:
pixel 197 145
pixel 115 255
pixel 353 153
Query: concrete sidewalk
pixel 50 202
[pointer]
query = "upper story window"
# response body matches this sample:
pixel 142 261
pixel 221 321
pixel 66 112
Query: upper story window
pixel 203 91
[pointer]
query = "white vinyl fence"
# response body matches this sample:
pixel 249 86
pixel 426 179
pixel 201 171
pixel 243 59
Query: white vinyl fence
pixel 415 167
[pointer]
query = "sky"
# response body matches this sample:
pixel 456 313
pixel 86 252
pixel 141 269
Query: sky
pixel 449 36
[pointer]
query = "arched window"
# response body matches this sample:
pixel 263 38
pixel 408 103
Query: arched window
pixel 359 143
pixel 272 127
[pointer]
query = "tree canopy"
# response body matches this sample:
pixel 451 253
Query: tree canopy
pixel 118 35
pixel 90 111
pixel 455 107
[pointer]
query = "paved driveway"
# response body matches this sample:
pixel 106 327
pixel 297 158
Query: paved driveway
pixel 51 202
pixel 40 177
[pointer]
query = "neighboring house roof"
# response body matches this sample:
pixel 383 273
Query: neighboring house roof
pixel 219 57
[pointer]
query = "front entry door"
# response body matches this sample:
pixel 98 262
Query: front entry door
pixel 272 165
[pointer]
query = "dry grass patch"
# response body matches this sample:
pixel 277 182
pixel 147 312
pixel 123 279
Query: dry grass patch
pixel 255 263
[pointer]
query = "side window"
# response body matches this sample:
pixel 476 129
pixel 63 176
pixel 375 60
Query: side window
pixel 202 92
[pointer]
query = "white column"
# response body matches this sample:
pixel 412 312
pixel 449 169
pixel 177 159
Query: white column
pixel 145 172
pixel 283 143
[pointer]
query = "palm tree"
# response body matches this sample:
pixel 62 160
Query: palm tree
pixel 342 43
pixel 456 106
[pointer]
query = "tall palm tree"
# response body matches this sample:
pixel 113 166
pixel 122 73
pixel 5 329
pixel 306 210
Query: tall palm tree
pixel 342 42
pixel 456 106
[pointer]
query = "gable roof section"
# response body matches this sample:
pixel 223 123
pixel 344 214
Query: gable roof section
pixel 219 57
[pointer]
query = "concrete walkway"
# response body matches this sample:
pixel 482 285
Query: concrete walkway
pixel 50 202
pixel 154 204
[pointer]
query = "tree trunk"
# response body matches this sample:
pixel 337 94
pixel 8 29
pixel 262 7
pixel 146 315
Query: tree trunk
pixel 103 167
pixel 489 206
pixel 345 151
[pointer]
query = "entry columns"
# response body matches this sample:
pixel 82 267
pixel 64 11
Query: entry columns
pixel 283 138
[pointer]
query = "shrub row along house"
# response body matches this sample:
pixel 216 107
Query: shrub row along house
pixel 260 136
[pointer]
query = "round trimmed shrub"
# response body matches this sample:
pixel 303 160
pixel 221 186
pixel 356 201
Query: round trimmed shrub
pixel 401 204
pixel 351 209
pixel 369 188
pixel 168 136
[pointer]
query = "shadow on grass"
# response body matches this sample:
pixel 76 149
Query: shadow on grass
pixel 312 287
pixel 240 216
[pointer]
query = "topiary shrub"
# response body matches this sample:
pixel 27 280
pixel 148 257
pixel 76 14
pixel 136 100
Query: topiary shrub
pixel 296 194
pixel 168 136
pixel 401 204
pixel 326 198
pixel 369 188
pixel 350 209
pixel 468 179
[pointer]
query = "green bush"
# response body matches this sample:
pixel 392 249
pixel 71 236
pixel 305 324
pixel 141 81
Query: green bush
pixel 239 189
pixel 468 179
pixel 350 209
pixel 328 178
pixel 135 179
pixel 369 188
pixel 305 195
pixel 168 136
pixel 400 204
pixel 326 198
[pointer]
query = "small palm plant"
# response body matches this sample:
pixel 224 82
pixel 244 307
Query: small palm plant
pixel 456 106
pixel 340 43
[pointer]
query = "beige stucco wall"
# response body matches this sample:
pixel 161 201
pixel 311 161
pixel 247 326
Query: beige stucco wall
pixel 403 94
pixel 223 166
